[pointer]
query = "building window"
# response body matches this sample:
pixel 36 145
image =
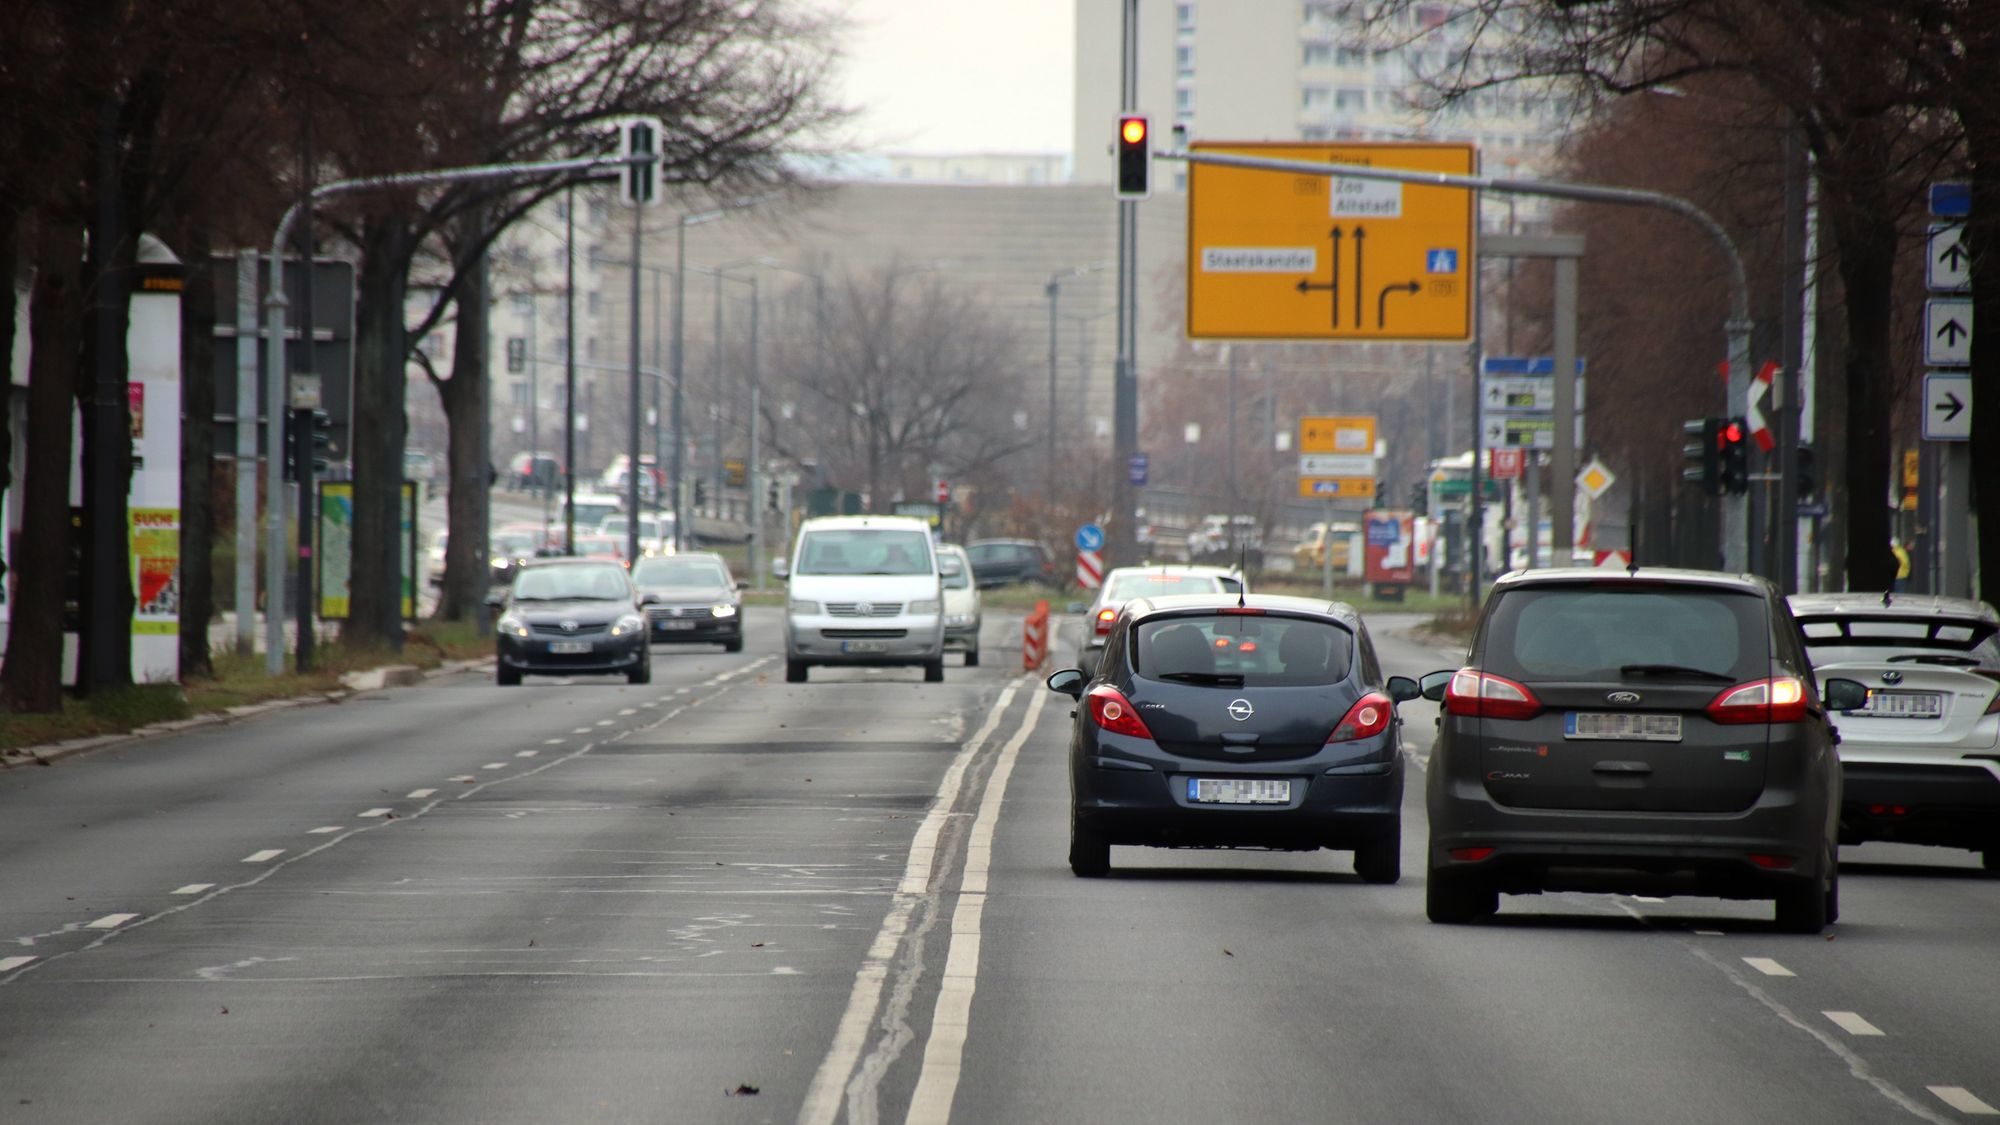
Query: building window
pixel 1184 60
pixel 1350 56
pixel 1315 97
pixel 1184 99
pixel 590 348
pixel 1317 54
pixel 597 211
pixel 524 304
pixel 1351 99
pixel 1184 16
pixel 595 302
pixel 520 392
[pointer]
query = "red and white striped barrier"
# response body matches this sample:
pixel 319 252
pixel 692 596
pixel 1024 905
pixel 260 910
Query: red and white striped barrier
pixel 1035 638
pixel 1090 569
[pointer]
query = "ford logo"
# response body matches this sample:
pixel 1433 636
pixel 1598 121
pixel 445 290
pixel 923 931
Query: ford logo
pixel 1240 709
pixel 1627 697
pixel 1892 677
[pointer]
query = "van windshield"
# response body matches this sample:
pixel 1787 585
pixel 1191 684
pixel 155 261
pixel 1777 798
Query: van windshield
pixel 865 551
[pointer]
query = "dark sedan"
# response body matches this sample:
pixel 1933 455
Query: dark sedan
pixel 1222 721
pixel 1002 562
pixel 691 599
pixel 572 616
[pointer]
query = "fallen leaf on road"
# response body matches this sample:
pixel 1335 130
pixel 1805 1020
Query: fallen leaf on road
pixel 1227 953
pixel 742 1091
pixel 225 1011
pixel 756 945
pixel 531 943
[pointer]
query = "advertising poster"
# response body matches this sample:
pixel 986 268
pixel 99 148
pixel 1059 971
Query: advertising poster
pixel 1391 548
pixel 156 571
pixel 334 549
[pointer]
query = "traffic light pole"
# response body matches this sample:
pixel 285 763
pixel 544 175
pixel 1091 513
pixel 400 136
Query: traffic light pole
pixel 1125 379
pixel 302 426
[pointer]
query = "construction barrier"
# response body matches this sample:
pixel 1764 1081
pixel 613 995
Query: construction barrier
pixel 1035 638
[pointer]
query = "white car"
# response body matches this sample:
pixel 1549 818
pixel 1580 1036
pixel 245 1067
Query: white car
pixel 1921 763
pixel 864 590
pixel 656 532
pixel 1127 582
pixel 962 615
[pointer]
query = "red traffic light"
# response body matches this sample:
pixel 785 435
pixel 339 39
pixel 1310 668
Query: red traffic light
pixel 1732 433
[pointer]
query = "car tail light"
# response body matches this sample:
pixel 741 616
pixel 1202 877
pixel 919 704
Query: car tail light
pixel 1992 705
pixel 1105 617
pixel 1370 715
pixel 1484 695
pixel 1471 855
pixel 1780 699
pixel 1774 862
pixel 1239 611
pixel 1110 710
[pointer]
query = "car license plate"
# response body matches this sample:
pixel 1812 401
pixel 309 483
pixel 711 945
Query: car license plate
pixel 1625 726
pixel 1903 705
pixel 671 625
pixel 568 648
pixel 1239 791
pixel 862 646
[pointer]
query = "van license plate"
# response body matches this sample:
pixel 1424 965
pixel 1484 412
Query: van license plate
pixel 863 646
pixel 671 625
pixel 1625 726
pixel 569 648
pixel 1239 791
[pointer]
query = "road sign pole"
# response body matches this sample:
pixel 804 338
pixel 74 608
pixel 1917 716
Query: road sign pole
pixel 1562 486
pixel 1955 512
pixel 1326 551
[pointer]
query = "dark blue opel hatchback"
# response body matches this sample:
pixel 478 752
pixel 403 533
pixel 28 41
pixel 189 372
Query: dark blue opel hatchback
pixel 1217 721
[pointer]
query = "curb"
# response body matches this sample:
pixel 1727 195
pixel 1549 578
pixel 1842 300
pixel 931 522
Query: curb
pixel 393 675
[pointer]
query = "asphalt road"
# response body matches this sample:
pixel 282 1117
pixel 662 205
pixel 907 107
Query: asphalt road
pixel 598 902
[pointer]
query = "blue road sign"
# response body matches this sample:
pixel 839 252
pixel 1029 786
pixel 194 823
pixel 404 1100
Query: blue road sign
pixel 1135 470
pixel 1522 365
pixel 1441 261
pixel 1090 537
pixel 1951 199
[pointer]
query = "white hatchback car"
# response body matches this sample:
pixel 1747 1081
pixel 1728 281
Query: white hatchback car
pixel 962 614
pixel 1920 763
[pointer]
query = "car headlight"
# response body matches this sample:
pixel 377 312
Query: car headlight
pixel 925 605
pixel 958 619
pixel 511 625
pixel 627 625
pixel 803 607
pixel 723 611
pixel 502 563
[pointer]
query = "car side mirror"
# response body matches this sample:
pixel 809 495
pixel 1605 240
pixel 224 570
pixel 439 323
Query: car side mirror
pixel 1846 695
pixel 949 567
pixel 648 599
pixel 781 568
pixel 741 585
pixel 495 599
pixel 1432 686
pixel 1403 689
pixel 1069 681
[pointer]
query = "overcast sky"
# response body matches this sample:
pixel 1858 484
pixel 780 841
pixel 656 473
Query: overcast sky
pixel 960 75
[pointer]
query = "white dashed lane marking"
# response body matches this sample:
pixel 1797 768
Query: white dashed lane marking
pixel 1964 1101
pixel 494 766
pixel 1852 1023
pixel 1768 967
pixel 194 888
pixel 581 730
pixel 554 741
pixel 328 830
pixel 526 753
pixel 604 722
pixel 368 813
pixel 10 963
pixel 461 777
pixel 1646 898
pixel 420 794
pixel 627 711
pixel 109 922
pixel 265 856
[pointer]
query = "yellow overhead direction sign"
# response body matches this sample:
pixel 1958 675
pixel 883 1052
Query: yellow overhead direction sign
pixel 1272 255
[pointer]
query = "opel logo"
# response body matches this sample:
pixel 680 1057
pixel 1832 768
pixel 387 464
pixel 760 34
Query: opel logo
pixel 569 626
pixel 1892 677
pixel 1240 709
pixel 1622 697
pixel 864 609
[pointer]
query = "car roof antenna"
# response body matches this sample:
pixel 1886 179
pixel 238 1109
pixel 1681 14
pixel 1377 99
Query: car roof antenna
pixel 1885 598
pixel 1241 585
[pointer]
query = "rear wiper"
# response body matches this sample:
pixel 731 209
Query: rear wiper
pixel 1218 679
pixel 1935 658
pixel 1675 670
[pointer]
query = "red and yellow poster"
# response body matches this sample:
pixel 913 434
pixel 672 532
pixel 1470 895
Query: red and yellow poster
pixel 156 570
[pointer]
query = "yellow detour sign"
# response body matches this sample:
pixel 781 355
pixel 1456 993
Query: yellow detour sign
pixel 1337 457
pixel 1277 256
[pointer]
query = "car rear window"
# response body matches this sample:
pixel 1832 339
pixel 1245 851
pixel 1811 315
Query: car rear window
pixel 1266 650
pixel 1131 586
pixel 1554 633
pixel 1860 638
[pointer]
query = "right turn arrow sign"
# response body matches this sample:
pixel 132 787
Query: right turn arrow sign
pixel 1947 406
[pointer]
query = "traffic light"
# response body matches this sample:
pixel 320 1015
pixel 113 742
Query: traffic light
pixel 771 495
pixel 700 493
pixel 1703 454
pixel 321 424
pixel 291 450
pixel 1807 472
pixel 1733 445
pixel 1135 157
pixel 1420 498
pixel 638 183
pixel 943 491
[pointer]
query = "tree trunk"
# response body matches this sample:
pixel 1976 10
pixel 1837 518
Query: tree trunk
pixel 1866 236
pixel 465 396
pixel 197 577
pixel 376 446
pixel 31 678
pixel 9 269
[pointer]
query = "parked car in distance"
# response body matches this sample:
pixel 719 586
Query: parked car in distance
pixel 533 472
pixel 691 598
pixel 1125 583
pixel 864 590
pixel 1648 732
pixel 1223 721
pixel 962 613
pixel 612 480
pixel 1308 555
pixel 1005 562
pixel 566 617
pixel 1921 759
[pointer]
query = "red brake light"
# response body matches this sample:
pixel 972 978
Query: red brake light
pixel 1471 855
pixel 1110 710
pixel 1780 699
pixel 1370 715
pixel 1774 862
pixel 1239 611
pixel 1483 695
pixel 1105 617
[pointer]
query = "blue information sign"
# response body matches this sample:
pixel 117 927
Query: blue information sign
pixel 1135 470
pixel 1089 537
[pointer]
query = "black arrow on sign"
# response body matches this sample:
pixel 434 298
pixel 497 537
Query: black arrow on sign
pixel 1332 287
pixel 1951 331
pixel 1955 256
pixel 1950 404
pixel 1382 302
pixel 1359 235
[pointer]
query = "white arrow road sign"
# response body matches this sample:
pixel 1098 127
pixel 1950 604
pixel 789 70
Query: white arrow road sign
pixel 1948 332
pixel 1947 263
pixel 1336 465
pixel 1947 406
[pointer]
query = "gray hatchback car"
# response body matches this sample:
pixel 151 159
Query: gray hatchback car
pixel 1643 731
